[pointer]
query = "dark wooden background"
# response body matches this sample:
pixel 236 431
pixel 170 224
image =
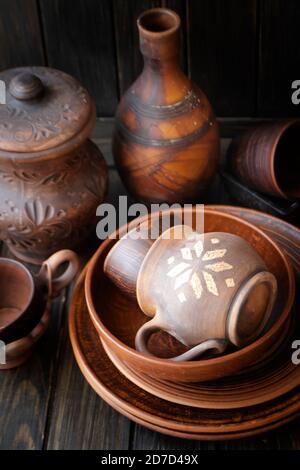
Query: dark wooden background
pixel 243 53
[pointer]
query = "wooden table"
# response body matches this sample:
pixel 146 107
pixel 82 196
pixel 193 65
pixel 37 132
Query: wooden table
pixel 47 404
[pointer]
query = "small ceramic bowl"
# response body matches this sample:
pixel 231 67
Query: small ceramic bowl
pixel 117 317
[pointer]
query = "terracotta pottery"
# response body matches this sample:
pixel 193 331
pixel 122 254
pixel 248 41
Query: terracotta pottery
pixel 19 351
pixel 266 158
pixel 241 390
pixel 118 318
pixel 173 419
pixel 166 140
pixel 23 296
pixel 52 178
pixel 204 289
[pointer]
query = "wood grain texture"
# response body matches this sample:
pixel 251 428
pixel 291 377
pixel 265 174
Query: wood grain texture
pixel 79 40
pixel 285 438
pixel 233 48
pixel 222 53
pixel 144 439
pixel 79 420
pixel 279 58
pixel 20 34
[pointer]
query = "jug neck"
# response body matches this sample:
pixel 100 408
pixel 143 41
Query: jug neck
pixel 159 36
pixel 162 82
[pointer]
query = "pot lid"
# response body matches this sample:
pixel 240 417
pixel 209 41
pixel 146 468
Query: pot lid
pixel 44 108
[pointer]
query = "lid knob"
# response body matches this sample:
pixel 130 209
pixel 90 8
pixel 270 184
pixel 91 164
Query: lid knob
pixel 25 86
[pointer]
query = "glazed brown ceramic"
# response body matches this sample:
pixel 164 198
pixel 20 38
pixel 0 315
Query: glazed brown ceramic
pixel 266 158
pixel 158 414
pixel 204 289
pixel 118 318
pixel 52 177
pixel 166 139
pixel 19 351
pixel 23 296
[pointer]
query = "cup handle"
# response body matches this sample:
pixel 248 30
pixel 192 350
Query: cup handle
pixel 50 266
pixel 217 346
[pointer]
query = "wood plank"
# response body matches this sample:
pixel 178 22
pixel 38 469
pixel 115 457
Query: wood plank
pixel 79 39
pixel 285 438
pixel 222 47
pixel 20 35
pixel 25 391
pixel 79 418
pixel 144 439
pixel 279 59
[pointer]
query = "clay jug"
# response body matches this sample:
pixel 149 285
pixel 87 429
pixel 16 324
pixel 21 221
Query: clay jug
pixel 166 139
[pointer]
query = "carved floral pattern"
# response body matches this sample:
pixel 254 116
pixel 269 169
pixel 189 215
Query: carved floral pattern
pixel 63 213
pixel 63 107
pixel 183 273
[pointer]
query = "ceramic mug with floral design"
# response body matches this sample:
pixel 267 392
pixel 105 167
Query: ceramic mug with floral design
pixel 207 290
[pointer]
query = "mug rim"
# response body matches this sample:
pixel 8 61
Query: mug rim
pixel 285 125
pixel 103 330
pixel 19 265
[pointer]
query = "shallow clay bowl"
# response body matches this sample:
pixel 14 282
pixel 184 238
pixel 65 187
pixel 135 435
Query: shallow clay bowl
pixel 117 318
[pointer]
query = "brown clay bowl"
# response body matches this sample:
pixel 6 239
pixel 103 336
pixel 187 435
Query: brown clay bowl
pixel 20 350
pixel 257 384
pixel 158 414
pixel 117 318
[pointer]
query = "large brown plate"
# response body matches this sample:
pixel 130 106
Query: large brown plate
pixel 178 419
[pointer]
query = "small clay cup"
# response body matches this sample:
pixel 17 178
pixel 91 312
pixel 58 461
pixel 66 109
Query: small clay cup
pixel 266 158
pixel 206 290
pixel 24 296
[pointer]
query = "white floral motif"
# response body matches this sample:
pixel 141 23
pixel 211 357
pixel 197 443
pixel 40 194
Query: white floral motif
pixel 183 272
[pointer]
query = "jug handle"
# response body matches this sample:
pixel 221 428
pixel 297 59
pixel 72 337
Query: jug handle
pixel 51 265
pixel 217 346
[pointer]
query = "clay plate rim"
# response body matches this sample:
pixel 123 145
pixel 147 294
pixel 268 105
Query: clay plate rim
pixel 163 425
pixel 175 393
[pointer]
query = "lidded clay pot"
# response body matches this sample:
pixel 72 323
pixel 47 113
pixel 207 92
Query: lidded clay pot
pixel 52 178
pixel 166 140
